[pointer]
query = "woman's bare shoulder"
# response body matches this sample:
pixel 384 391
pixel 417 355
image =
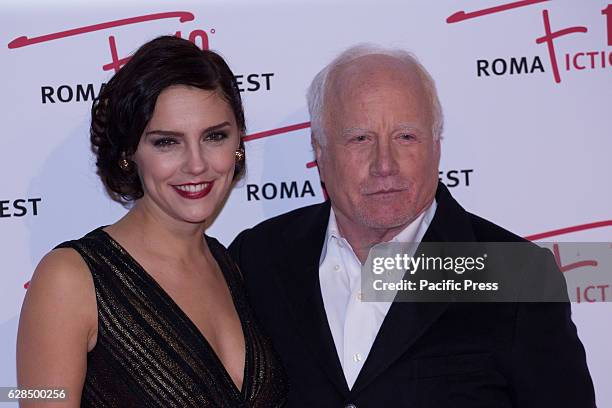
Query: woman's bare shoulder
pixel 62 268
pixel 62 290
pixel 58 324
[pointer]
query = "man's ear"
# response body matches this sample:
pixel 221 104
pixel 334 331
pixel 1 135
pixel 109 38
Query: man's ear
pixel 318 151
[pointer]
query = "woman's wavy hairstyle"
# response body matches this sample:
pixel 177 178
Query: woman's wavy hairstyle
pixel 125 105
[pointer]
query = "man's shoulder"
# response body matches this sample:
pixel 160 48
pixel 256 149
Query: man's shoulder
pixel 297 220
pixel 452 223
pixel 487 231
pixel 291 217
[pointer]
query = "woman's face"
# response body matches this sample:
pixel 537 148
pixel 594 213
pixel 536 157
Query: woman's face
pixel 186 154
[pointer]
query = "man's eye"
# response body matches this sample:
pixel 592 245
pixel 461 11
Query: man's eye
pixel 164 142
pixel 216 136
pixel 360 138
pixel 407 136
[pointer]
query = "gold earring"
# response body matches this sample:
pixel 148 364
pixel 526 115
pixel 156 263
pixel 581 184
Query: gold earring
pixel 240 155
pixel 124 164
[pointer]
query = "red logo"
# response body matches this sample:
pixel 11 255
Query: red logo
pixel 572 61
pixel 199 37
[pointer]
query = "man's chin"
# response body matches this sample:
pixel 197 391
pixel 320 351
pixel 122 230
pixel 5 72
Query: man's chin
pixel 385 220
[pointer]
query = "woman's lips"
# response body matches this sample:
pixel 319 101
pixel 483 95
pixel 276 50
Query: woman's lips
pixel 194 191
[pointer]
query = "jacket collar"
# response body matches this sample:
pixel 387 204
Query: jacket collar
pixel 299 278
pixel 404 323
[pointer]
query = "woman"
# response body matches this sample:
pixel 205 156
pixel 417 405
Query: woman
pixel 149 311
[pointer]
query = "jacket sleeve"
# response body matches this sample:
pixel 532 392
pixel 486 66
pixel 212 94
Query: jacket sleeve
pixel 236 251
pixel 549 366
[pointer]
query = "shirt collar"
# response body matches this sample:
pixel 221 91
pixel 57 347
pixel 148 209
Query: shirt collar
pixel 413 232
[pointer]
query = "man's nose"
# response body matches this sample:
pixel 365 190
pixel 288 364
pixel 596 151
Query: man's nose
pixel 384 161
pixel 195 160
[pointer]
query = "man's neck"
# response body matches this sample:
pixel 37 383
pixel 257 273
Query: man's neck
pixel 362 238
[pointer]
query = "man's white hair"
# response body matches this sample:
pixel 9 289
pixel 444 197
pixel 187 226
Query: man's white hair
pixel 319 85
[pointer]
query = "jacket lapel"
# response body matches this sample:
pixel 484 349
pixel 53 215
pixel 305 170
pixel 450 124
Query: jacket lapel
pixel 406 322
pixel 301 283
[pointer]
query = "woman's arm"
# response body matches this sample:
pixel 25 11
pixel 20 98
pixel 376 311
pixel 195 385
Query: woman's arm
pixel 57 327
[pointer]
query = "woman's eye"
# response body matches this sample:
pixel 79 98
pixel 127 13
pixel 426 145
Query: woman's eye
pixel 164 142
pixel 216 136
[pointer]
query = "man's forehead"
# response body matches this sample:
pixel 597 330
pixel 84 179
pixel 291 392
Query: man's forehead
pixel 374 76
pixel 371 69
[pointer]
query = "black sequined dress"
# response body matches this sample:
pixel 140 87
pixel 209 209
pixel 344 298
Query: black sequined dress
pixel 150 354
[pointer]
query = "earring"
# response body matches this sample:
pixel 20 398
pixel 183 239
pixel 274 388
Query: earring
pixel 240 154
pixel 124 164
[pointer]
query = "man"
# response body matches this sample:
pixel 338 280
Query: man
pixel 376 128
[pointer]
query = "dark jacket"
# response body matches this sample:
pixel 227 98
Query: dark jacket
pixel 426 354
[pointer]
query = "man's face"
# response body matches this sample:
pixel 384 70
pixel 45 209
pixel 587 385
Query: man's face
pixel 379 161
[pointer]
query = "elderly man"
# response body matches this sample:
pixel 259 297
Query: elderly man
pixel 376 128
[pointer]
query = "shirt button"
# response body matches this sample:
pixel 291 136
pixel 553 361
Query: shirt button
pixel 336 267
pixel 357 357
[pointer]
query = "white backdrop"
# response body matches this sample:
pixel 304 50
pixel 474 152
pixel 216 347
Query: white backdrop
pixel 526 145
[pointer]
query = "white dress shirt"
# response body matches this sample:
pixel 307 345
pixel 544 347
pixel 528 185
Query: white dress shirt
pixel 355 324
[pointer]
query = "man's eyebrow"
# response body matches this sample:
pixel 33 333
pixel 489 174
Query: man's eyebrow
pixel 162 132
pixel 401 126
pixel 353 130
pixel 407 126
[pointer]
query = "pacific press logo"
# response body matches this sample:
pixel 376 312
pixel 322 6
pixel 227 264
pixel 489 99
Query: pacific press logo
pixel 559 60
pixel 65 93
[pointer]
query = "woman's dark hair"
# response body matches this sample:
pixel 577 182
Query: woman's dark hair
pixel 125 105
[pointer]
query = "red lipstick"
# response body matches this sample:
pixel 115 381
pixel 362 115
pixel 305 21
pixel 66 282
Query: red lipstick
pixel 194 195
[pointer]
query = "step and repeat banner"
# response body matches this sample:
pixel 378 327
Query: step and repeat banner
pixel 526 89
